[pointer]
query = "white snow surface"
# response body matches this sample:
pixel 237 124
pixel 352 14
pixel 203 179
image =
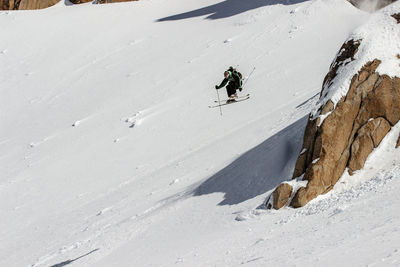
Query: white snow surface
pixel 379 39
pixel 110 156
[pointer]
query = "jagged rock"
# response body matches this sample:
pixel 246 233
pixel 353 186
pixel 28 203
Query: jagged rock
pixel 359 103
pixel 99 1
pixel 305 156
pixel 40 4
pixel 112 1
pixel 398 142
pixel 27 4
pixel 396 17
pixel 36 4
pixel 368 137
pixel 343 135
pixel 80 1
pixel 281 195
pixel 345 55
pixel 347 132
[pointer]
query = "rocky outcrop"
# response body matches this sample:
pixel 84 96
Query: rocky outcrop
pixel 359 104
pixel 27 4
pixel 349 134
pixel 36 4
pixel 343 135
pixel 40 4
pixel 281 195
pixel 112 1
pixel 396 17
pixel 345 55
pixel 80 1
pixel 99 1
pixel 398 142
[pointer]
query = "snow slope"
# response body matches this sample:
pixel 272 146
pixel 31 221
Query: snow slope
pixel 110 155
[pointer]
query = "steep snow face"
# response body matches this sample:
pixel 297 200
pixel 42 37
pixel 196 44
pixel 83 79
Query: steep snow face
pixel 109 153
pixel 378 39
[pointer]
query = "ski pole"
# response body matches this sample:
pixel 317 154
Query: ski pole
pixel 219 103
pixel 248 77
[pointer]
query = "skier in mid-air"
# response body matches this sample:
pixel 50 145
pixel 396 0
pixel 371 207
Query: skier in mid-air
pixel 235 82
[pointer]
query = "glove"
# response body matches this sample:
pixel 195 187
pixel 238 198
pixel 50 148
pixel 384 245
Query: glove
pixel 216 87
pixel 240 89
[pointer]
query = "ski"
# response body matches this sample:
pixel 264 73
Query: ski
pixel 238 98
pixel 224 104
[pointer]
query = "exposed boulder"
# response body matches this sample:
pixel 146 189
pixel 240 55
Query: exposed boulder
pixel 36 4
pixel 282 195
pixel 27 4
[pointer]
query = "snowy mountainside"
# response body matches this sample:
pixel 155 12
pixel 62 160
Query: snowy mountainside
pixel 110 154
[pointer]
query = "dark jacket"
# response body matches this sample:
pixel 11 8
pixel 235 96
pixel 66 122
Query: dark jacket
pixel 233 77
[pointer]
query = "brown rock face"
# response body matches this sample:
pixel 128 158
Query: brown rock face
pixel 36 4
pixel 348 136
pixel 281 195
pixel 39 4
pixel 367 138
pixel 80 1
pixel 4 4
pixel 349 133
pixel 26 4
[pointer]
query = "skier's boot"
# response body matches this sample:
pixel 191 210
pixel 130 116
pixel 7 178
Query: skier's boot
pixel 232 98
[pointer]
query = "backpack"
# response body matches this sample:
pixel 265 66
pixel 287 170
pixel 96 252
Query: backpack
pixel 235 72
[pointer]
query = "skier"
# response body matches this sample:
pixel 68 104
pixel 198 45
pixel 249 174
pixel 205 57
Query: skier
pixel 235 82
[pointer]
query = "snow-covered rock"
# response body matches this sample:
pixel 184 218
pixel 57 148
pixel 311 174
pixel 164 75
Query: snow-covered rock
pixel 360 102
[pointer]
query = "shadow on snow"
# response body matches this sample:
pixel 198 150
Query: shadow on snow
pixel 260 169
pixel 64 263
pixel 229 8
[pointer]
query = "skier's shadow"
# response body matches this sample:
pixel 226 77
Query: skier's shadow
pixel 229 8
pixel 260 169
